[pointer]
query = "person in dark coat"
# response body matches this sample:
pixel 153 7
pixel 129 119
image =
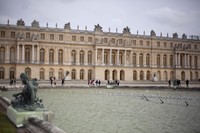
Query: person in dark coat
pixel 187 82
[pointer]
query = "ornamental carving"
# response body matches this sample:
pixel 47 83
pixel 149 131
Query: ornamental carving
pixel 184 36
pixel 175 35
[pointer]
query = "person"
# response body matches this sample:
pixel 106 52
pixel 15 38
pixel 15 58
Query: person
pixel 187 82
pixel 51 79
pixel 54 79
pixel 63 81
pixel 169 82
pixel 99 82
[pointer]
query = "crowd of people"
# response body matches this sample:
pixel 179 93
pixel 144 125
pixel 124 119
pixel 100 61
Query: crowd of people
pixel 178 82
pixel 94 82
pixel 12 81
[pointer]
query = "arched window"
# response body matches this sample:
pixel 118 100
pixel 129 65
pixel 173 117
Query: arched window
pixel 73 57
pixel 12 73
pixel 42 73
pixel 51 56
pixel 190 61
pixel 181 60
pixel 89 57
pixel 27 55
pixel 141 59
pixel 114 75
pixel 134 75
pixel 12 54
pixel 42 55
pixel 191 76
pixel 171 75
pixel 148 75
pixel 28 72
pixel 158 60
pixel 195 62
pixel 51 73
pixel 2 54
pixel 183 76
pixel 120 58
pixel 122 75
pixel 141 75
pixel 134 59
pixel 165 60
pixel 89 74
pixel 171 61
pixel 60 56
pixel 106 58
pixel 60 73
pixel 82 54
pixel 159 75
pixel 73 74
pixel 196 76
pixel 107 75
pixel 148 60
pixel 2 73
pixel 113 58
pixel 82 74
pixel 165 76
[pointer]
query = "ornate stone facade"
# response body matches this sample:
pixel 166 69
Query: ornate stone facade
pixel 44 52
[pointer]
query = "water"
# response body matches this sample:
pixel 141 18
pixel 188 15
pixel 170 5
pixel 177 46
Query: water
pixel 123 110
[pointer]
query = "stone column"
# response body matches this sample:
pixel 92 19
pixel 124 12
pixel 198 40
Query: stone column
pixel 144 60
pixel 17 53
pixel 178 60
pixel 56 56
pixel 102 56
pixel 131 58
pixel 185 56
pixel 125 58
pixel 188 61
pixel 145 75
pixel 23 53
pixel 7 54
pixel 117 56
pixel 137 59
pixel 47 56
pixel 38 54
pixel 32 54
pixel 96 54
pixel 86 59
pixel 161 60
pixel 110 56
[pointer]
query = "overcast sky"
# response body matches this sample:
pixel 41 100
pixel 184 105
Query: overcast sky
pixel 166 16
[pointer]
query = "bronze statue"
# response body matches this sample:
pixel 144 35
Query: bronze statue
pixel 27 100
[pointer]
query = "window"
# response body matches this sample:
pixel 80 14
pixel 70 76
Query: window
pixel 105 40
pixel 141 42
pixel 165 44
pixel 51 36
pixel 158 60
pixel 73 38
pixel 120 58
pixel 3 34
pixel 122 75
pixel 165 60
pixel 113 40
pixel 171 60
pixel 134 75
pixel 73 56
pixel 141 59
pixel 120 41
pixel 107 75
pixel 81 74
pixel 2 73
pixel 28 35
pixel 27 55
pixel 12 54
pixel 113 58
pixel 42 55
pixel 195 46
pixel 42 36
pixel 134 59
pixel 90 57
pixel 51 56
pixel 2 54
pixel 42 73
pixel 60 56
pixel 148 60
pixel 89 74
pixel 134 42
pixel 148 43
pixel 82 38
pixel 171 45
pixel 12 73
pixel 12 34
pixel 73 74
pixel 158 44
pixel 89 39
pixel 195 62
pixel 60 74
pixel 106 58
pixel 51 73
pixel 82 57
pixel 60 37
pixel 141 75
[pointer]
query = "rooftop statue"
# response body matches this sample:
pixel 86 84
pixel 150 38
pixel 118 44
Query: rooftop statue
pixel 35 24
pixel 98 28
pixel 20 22
pixel 175 35
pixel 67 26
pixel 126 30
pixel 153 33
pixel 27 100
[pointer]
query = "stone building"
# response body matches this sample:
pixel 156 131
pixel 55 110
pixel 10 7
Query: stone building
pixel 44 52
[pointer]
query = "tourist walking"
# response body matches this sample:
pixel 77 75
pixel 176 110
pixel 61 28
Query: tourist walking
pixel 169 82
pixel 54 80
pixel 63 81
pixel 187 82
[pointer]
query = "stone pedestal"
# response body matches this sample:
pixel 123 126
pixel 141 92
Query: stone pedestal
pixel 19 118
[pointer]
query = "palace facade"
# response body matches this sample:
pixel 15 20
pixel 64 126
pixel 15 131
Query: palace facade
pixel 44 52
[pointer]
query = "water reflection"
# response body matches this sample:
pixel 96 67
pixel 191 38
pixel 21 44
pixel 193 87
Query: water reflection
pixel 123 110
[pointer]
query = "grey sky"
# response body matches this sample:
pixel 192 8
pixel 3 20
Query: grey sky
pixel 166 16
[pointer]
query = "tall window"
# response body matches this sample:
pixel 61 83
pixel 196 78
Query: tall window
pixel 107 75
pixel 195 62
pixel 171 60
pixel 90 57
pixel 60 56
pixel 89 74
pixel 113 57
pixel 12 73
pixel 3 34
pixel 60 73
pixel 105 40
pixel 51 73
pixel 12 54
pixel 82 54
pixel 120 58
pixel 148 75
pixel 73 74
pixel 27 55
pixel 81 74
pixel 89 39
pixel 73 56
pixel 134 59
pixel 73 38
pixel 134 75
pixel 28 72
pixel 28 35
pixel 42 73
pixel 148 60
pixel 141 75
pixel 12 34
pixel 141 43
pixel 2 73
pixel 122 75
pixel 60 37
pixel 158 44
pixel 51 36
pixel 2 54
pixel 51 56
pixel 42 55
pixel 148 43
pixel 106 58
pixel 158 60
pixel 165 60
pixel 82 38
pixel 42 36
pixel 141 59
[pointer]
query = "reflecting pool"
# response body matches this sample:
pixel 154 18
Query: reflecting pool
pixel 96 110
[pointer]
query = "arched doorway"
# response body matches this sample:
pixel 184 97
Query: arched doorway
pixel 28 72
pixel 114 75
pixel 122 75
pixel 107 75
pixel 183 76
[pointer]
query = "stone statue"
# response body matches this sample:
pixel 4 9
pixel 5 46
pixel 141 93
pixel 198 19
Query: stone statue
pixel 153 33
pixel 67 26
pixel 98 28
pixel 20 22
pixel 126 30
pixel 27 100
